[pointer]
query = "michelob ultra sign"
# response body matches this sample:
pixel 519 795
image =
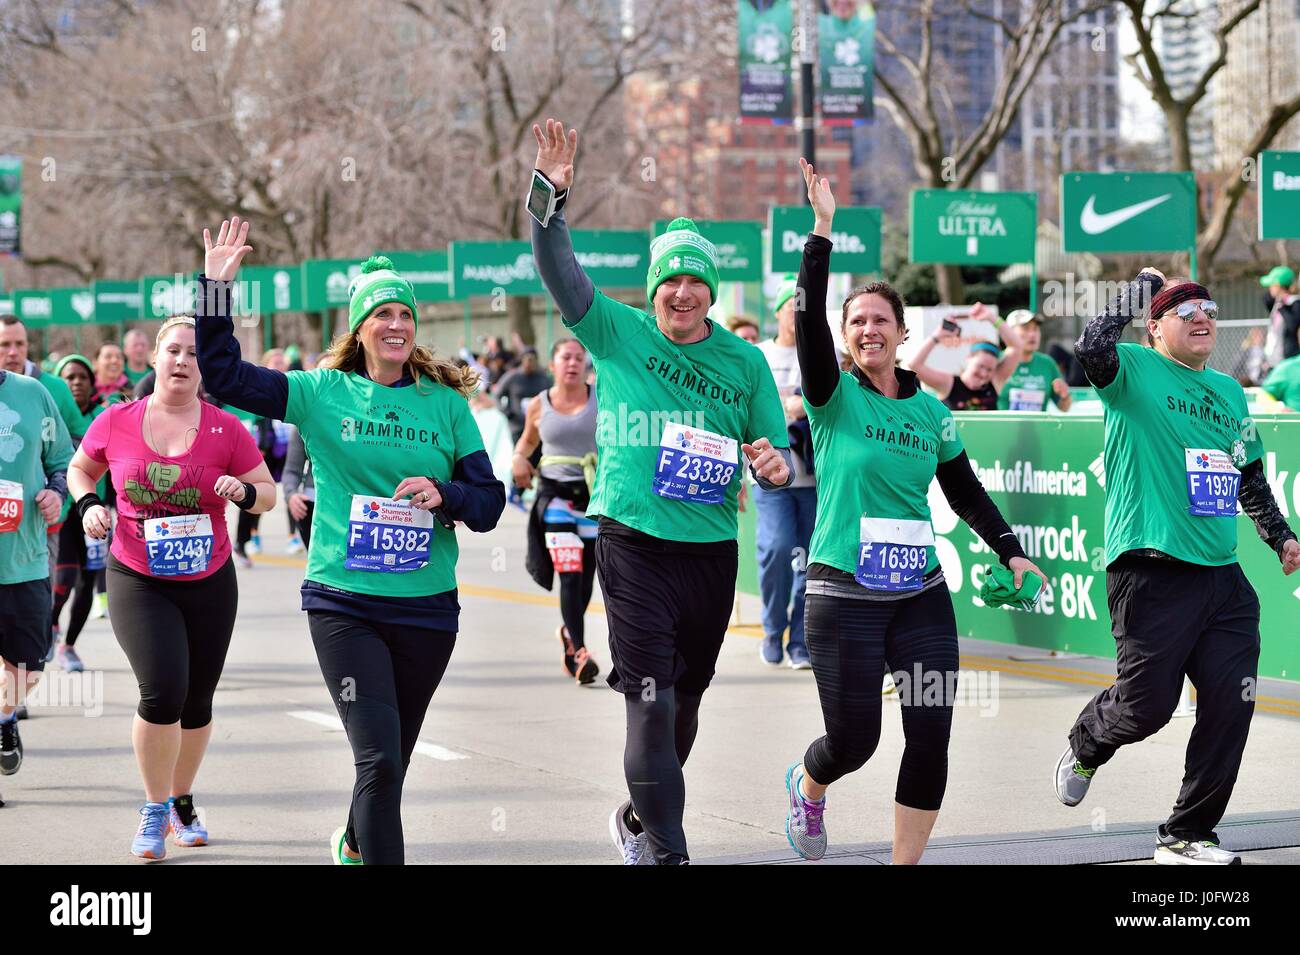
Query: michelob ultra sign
pixel 960 227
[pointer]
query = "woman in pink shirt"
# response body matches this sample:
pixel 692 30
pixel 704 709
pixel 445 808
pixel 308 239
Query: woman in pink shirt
pixel 175 462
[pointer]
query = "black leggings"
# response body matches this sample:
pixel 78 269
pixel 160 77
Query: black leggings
pixel 175 634
pixel 382 678
pixel 654 770
pixel 71 579
pixel 851 642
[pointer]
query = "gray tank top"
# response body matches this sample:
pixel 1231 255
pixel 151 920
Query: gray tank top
pixel 567 435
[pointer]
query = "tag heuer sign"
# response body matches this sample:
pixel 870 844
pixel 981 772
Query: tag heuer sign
pixel 856 235
pixel 1128 211
pixel 957 227
pixel 1279 195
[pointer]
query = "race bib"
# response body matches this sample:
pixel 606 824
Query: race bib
pixel 1212 483
pixel 566 552
pixel 694 465
pixel 96 552
pixel 387 536
pixel 892 554
pixel 11 506
pixel 178 545
pixel 1028 399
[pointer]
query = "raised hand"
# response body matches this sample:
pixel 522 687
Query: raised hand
pixel 221 260
pixel 555 152
pixel 766 461
pixel 819 193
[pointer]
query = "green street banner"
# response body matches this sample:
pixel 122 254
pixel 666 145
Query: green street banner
pixel 1128 211
pixel 847 53
pixel 267 289
pixel 739 244
pixel 72 306
pixel 952 227
pixel 1279 195
pixel 481 268
pixel 11 205
pixel 117 301
pixel 765 46
pixel 34 307
pixel 613 258
pixel 856 236
pixel 427 270
pixel 325 282
pixel 162 296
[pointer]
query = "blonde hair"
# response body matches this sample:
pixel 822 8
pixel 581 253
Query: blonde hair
pixel 170 324
pixel 346 354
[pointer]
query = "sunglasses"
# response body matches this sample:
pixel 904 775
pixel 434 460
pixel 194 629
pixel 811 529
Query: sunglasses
pixel 1186 310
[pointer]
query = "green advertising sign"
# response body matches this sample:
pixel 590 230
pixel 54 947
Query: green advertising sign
pixel 1128 211
pixel 33 306
pixel 613 258
pixel 428 272
pixel 1279 195
pixel 856 235
pixel 11 205
pixel 267 289
pixel 164 295
pixel 765 30
pixel 959 227
pixel 480 268
pixel 117 301
pixel 739 244
pixel 72 306
pixel 325 282
pixel 847 55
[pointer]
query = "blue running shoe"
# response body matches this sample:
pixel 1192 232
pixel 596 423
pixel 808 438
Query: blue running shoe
pixel 771 651
pixel 803 822
pixel 151 838
pixel 193 834
pixel 799 659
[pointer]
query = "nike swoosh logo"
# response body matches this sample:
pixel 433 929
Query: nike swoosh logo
pixel 1094 224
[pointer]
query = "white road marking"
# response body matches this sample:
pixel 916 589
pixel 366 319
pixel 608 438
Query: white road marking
pixel 332 722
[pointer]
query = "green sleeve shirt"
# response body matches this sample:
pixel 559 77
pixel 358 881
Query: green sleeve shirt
pixel 1030 386
pixel 1283 383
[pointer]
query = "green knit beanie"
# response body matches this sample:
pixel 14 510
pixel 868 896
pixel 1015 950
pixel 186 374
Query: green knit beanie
pixel 378 284
pixel 789 285
pixel 682 251
pixel 63 362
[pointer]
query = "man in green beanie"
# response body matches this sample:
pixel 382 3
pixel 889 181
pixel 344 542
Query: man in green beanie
pixel 1283 305
pixel 680 401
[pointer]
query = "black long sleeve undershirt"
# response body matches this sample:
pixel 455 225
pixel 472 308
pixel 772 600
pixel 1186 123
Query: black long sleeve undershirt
pixel 1097 348
pixel 1256 499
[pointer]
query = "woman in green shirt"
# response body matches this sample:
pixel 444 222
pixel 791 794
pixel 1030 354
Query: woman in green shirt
pixel 876 593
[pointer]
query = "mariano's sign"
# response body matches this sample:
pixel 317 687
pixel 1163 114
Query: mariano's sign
pixel 980 228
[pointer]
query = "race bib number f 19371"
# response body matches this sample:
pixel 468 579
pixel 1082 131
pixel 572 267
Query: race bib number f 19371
pixel 893 554
pixel 1212 483
pixel 694 465
pixel 11 506
pixel 387 536
pixel 178 545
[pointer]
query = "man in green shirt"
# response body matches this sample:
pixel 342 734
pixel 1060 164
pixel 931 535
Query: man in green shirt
pixel 135 346
pixel 1283 382
pixel 1037 379
pixel 1180 452
pixel 680 401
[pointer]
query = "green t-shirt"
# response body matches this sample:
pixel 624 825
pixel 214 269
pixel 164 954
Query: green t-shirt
pixel 363 440
pixel 1030 386
pixel 134 377
pixel 72 419
pixel 1174 439
pixel 1283 383
pixel 876 458
pixel 663 409
pixel 34 443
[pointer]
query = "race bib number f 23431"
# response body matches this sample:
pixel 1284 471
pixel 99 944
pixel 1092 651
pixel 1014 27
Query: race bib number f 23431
pixel 387 536
pixel 694 465
pixel 178 545
pixel 893 554
pixel 1212 483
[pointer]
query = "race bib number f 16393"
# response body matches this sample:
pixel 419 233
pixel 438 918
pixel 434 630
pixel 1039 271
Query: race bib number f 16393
pixel 387 536
pixel 178 545
pixel 893 554
pixel 1212 483
pixel 694 465
pixel 11 506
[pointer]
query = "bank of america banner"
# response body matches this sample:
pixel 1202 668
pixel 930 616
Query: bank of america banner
pixel 846 33
pixel 766 94
pixel 11 201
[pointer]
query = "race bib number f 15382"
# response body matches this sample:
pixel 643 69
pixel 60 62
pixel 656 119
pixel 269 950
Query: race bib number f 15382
pixel 1212 483
pixel 694 465
pixel 387 536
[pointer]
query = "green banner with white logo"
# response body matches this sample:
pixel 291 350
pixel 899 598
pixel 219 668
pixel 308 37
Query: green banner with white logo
pixel 428 272
pixel 11 205
pixel 325 282
pixel 490 268
pixel 613 258
pixel 72 306
pixel 766 88
pixel 856 235
pixel 953 227
pixel 1128 211
pixel 267 289
pixel 739 244
pixel 117 301
pixel 162 296
pixel 33 306
pixel 846 37
pixel 1279 195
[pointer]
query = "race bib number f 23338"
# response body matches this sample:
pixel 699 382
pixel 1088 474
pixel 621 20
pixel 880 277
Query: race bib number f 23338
pixel 694 465
pixel 387 536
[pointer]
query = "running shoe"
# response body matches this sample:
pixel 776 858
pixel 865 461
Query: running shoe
pixel 49 650
pixel 11 747
pixel 337 855
pixel 803 823
pixel 629 839
pixel 569 667
pixel 1072 779
pixel 771 651
pixel 295 545
pixel 100 612
pixel 21 711
pixel 151 838
pixel 193 834
pixel 1170 850
pixel 799 657
pixel 584 666
pixel 254 545
pixel 68 659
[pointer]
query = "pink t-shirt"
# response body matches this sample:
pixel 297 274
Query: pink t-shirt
pixel 150 485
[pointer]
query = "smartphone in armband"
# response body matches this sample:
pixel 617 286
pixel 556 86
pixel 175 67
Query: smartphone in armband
pixel 541 199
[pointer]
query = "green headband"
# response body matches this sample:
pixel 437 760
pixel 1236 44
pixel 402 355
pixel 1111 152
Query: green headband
pixel 378 284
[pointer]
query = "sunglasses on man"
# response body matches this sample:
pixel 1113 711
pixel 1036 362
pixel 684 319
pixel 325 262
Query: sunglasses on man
pixel 1187 310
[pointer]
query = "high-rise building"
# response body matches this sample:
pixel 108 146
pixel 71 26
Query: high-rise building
pixel 1261 70
pixel 1187 48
